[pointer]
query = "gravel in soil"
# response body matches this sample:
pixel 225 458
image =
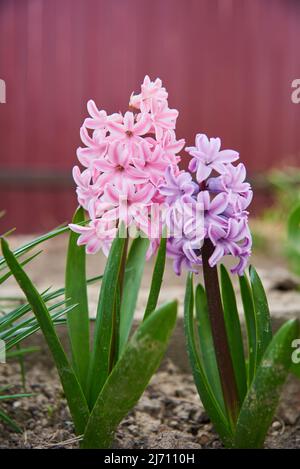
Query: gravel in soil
pixel 169 414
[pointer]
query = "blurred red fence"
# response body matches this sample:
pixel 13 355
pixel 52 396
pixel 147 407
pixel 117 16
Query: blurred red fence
pixel 228 66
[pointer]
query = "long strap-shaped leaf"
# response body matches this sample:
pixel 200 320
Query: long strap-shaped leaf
pixel 129 378
pixel 32 244
pixel 157 278
pixel 206 345
pixel 204 388
pixel 26 261
pixel 6 419
pixel 295 369
pixel 293 247
pixel 133 276
pixel 234 333
pixel 260 404
pixel 101 354
pixel 262 316
pixel 73 391
pixel 248 306
pixel 76 292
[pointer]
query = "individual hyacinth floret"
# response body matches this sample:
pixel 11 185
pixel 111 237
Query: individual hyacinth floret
pixel 216 209
pixel 125 158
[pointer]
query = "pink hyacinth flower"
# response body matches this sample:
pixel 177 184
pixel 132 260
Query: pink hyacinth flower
pixel 162 118
pixel 151 162
pixel 99 119
pixel 150 91
pixel 171 146
pixel 86 190
pixel 130 132
pixel 95 149
pixel 97 235
pixel 117 167
pixel 130 203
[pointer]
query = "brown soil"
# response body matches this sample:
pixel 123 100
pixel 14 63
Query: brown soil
pixel 169 414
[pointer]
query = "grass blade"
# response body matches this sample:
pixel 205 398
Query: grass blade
pixel 130 376
pixel 14 396
pixel 234 333
pixel 133 275
pixel 76 400
pixel 76 292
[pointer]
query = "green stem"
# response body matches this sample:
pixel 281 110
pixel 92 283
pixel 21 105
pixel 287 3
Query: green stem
pixel 220 339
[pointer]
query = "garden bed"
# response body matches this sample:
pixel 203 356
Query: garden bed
pixel 169 414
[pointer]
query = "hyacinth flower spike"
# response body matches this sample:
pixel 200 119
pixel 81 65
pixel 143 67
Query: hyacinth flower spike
pixel 124 159
pixel 239 386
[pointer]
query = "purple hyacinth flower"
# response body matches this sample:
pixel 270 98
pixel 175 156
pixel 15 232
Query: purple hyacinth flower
pixel 233 180
pixel 207 157
pixel 234 240
pixel 177 185
pixel 177 250
pixel 216 210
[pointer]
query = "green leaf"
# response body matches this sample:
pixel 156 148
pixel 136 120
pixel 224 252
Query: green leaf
pixel 206 344
pixel 247 299
pixel 133 275
pixel 293 247
pixel 4 277
pixel 21 352
pixel 32 244
pixel 206 394
pixel 73 391
pixel 19 312
pixel 234 333
pixel 6 419
pixel 258 409
pixel 295 369
pixel 14 396
pixel 262 316
pixel 76 292
pixel 130 376
pixel 103 336
pixel 157 277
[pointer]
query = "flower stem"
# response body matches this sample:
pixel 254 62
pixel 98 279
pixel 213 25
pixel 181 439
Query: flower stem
pixel 219 334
